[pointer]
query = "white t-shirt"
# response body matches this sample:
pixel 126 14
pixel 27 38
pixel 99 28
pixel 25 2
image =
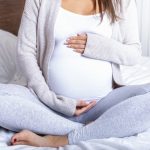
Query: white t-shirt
pixel 71 74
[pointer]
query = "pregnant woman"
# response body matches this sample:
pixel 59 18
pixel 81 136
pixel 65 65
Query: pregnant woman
pixel 70 51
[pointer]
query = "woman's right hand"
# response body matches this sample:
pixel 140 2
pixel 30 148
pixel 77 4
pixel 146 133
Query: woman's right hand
pixel 83 107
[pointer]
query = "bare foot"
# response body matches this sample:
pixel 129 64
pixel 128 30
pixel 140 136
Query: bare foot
pixel 26 137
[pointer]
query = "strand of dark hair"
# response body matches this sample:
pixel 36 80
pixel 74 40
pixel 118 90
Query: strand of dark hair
pixel 110 7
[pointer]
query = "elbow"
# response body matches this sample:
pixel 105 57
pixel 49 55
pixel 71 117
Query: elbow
pixel 137 54
pixel 134 58
pixel 134 61
pixel 132 55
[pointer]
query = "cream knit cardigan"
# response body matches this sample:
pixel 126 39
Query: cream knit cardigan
pixel 36 44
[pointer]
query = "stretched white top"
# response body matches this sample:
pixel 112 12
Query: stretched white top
pixel 71 74
pixel 36 44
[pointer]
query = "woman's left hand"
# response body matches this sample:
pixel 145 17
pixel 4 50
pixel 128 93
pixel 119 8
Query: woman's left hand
pixel 77 43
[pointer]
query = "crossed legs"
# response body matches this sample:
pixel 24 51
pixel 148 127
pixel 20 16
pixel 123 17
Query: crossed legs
pixel 127 116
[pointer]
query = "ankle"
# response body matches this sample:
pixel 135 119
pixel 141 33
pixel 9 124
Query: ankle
pixel 65 140
pixel 57 141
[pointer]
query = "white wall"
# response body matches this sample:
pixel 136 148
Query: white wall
pixel 144 25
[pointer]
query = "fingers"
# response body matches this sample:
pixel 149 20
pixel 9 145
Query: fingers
pixel 85 108
pixel 79 37
pixel 79 50
pixel 82 103
pixel 76 46
pixel 88 107
pixel 78 43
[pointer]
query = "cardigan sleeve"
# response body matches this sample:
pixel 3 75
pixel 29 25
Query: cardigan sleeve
pixel 27 59
pixel 125 52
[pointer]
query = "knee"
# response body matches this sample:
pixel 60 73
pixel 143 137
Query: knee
pixel 142 89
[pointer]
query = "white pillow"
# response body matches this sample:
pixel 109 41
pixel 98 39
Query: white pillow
pixel 9 72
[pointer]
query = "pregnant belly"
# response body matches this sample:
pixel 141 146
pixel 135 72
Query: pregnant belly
pixel 79 77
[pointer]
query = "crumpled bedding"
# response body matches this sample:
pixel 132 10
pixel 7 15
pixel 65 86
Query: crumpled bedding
pixel 138 142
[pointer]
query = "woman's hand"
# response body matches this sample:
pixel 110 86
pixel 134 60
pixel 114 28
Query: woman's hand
pixel 78 43
pixel 83 107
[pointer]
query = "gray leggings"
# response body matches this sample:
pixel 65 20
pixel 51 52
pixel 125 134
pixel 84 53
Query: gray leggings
pixel 123 112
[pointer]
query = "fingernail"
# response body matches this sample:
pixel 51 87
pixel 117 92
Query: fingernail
pixel 15 140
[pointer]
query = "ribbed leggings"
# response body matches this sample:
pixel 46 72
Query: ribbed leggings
pixel 123 112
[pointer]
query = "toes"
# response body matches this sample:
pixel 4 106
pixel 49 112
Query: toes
pixel 22 136
pixel 20 143
pixel 14 138
pixel 26 137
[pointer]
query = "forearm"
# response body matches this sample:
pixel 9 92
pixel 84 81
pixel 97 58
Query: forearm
pixel 124 47
pixel 99 47
pixel 27 59
pixel 37 83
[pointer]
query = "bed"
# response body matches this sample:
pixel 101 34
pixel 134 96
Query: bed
pixel 10 15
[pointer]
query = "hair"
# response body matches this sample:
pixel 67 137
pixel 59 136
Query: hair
pixel 110 7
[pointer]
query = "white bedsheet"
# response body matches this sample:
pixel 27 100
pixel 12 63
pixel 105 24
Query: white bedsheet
pixel 139 142
pixel 139 75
